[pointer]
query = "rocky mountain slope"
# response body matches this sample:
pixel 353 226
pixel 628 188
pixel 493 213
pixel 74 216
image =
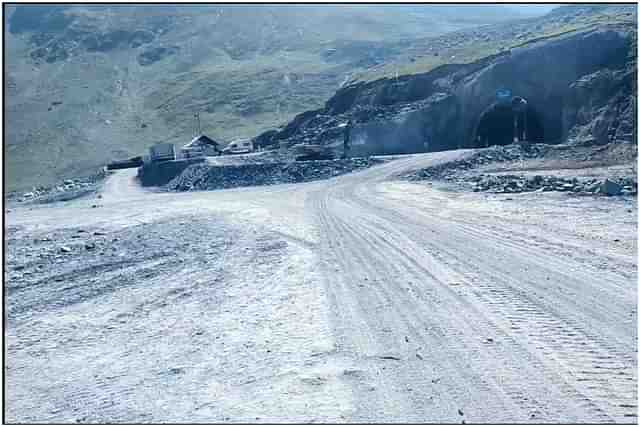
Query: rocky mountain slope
pixel 86 84
pixel 575 68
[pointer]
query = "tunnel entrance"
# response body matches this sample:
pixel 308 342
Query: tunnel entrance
pixel 508 122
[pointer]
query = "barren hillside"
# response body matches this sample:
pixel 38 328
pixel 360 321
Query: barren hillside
pixel 89 84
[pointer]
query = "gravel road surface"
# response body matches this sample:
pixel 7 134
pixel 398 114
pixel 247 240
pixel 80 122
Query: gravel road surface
pixel 357 299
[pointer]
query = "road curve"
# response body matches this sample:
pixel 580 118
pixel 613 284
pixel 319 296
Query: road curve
pixel 457 316
pixel 356 299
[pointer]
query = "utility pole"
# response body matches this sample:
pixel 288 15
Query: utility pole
pixel 346 144
pixel 524 132
pixel 198 130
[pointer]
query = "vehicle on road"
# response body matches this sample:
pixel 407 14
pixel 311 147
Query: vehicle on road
pixel 239 146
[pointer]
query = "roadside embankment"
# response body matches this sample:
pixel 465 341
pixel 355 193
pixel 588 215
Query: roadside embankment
pixel 607 170
pixel 209 177
pixel 69 189
pixel 160 173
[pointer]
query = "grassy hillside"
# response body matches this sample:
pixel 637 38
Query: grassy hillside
pixel 88 84
pixel 469 45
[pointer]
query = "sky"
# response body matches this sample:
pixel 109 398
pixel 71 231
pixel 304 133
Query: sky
pixel 533 9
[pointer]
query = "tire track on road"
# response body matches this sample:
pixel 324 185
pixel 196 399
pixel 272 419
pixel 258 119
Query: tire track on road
pixel 559 358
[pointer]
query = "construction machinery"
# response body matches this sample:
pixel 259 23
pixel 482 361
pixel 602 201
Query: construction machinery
pixel 306 152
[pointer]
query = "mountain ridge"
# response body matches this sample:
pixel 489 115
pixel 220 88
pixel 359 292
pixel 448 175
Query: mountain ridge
pixel 89 84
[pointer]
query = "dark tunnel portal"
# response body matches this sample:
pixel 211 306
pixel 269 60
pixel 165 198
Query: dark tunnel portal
pixel 497 126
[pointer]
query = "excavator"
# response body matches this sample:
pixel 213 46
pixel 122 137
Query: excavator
pixel 306 152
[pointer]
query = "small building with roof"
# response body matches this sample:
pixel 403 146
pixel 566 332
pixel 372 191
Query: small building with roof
pixel 201 146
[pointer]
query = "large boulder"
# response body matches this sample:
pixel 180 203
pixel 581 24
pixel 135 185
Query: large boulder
pixel 610 188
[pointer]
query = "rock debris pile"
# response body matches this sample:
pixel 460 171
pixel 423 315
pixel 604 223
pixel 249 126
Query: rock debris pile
pixel 207 177
pixel 461 173
pixel 68 189
pixel 521 184
pixel 447 171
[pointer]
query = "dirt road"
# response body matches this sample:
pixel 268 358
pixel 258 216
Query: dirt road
pixel 356 299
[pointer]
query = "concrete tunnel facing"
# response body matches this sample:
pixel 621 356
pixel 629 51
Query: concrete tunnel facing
pixel 503 123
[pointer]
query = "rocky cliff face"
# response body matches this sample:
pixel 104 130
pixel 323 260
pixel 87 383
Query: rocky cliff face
pixel 578 87
pixel 601 107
